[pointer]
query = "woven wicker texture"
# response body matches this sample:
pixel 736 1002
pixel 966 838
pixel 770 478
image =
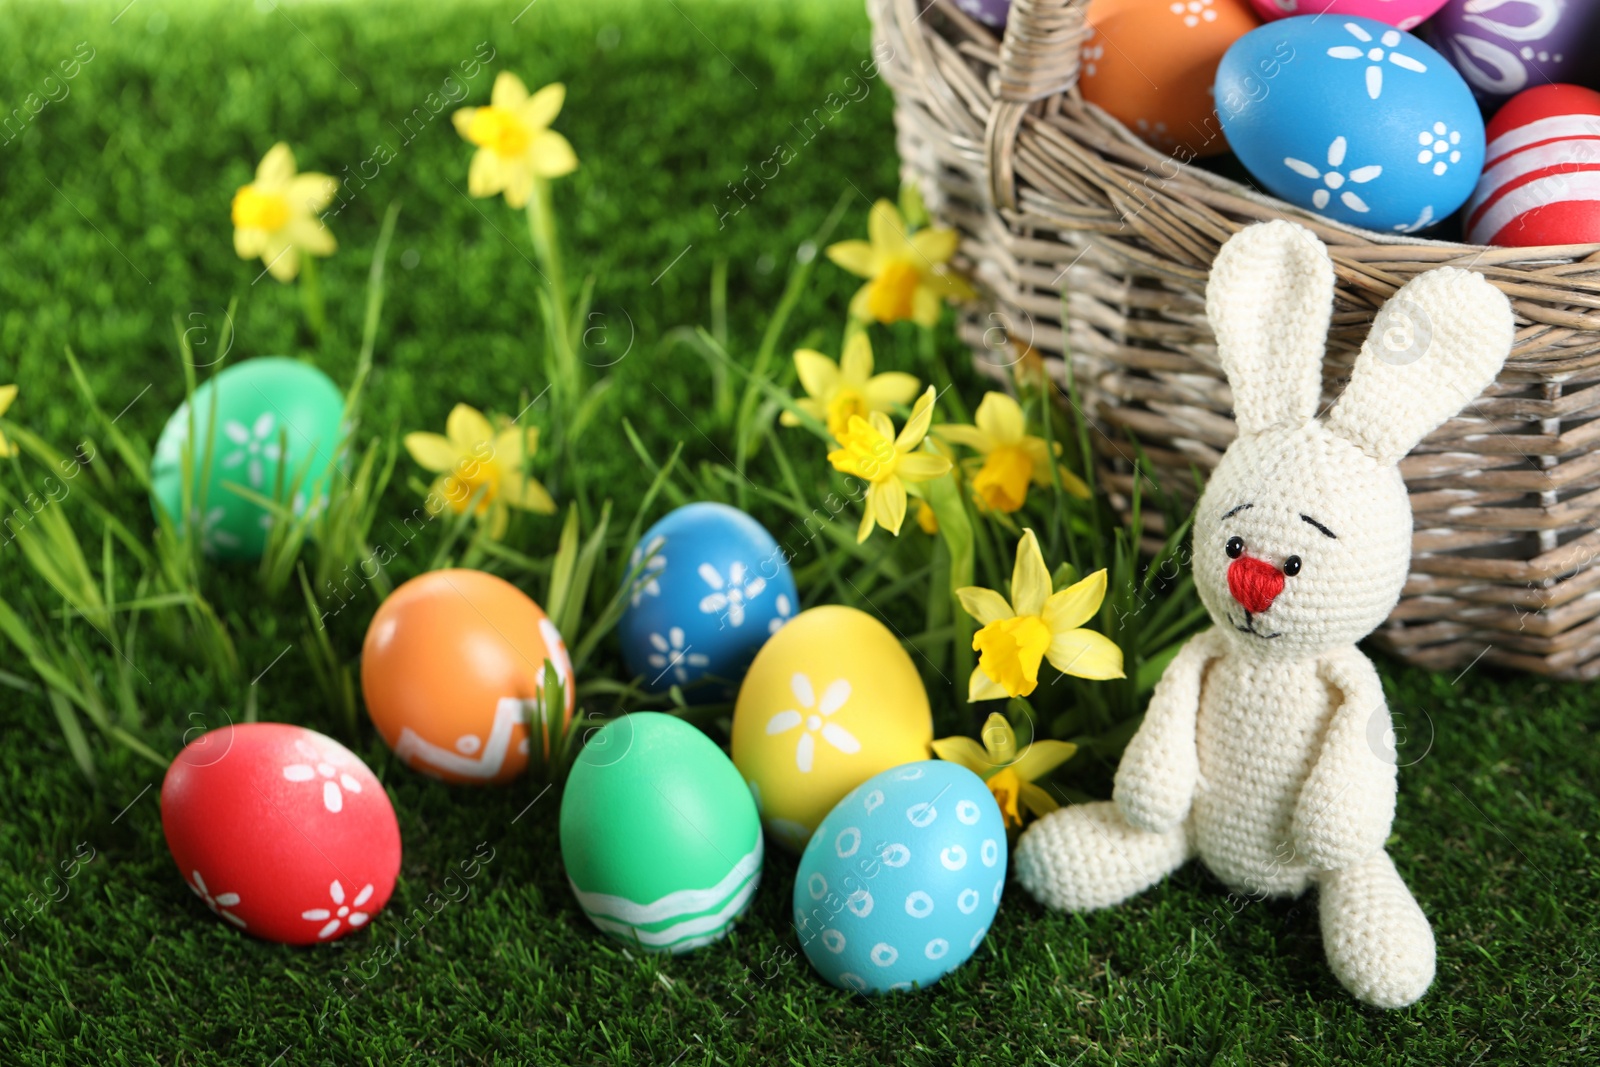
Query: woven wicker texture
pixel 1062 209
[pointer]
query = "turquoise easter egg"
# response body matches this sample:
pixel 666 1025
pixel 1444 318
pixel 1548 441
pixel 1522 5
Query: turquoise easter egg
pixel 659 834
pixel 266 423
pixel 900 882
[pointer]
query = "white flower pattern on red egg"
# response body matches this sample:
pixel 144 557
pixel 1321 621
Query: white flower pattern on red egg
pixel 335 783
pixel 218 903
pixel 1334 177
pixel 340 913
pixel 811 722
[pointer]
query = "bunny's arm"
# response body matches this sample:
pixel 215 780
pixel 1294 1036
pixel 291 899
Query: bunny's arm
pixel 1160 767
pixel 1347 803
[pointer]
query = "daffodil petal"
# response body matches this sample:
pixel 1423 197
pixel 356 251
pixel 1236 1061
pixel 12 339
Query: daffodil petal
pixel 1073 484
pixel 888 497
pixel 982 687
pixel 309 235
pixel 855 257
pixel 965 751
pixel 879 423
pixel 855 362
pixel 1036 800
pixel 861 304
pixel 249 242
pixel 282 259
pixel 1085 654
pixel 982 604
pixel 936 244
pixel 999 740
pixel 1076 604
pixel 8 393
pixel 1042 757
pixel 276 169
pixel 1030 579
pixel 819 375
pixel 510 447
pixel 865 528
pixel 921 466
pixel 916 427
pixel 508 91
pixel 485 176
pixel 528 493
pixel 466 427
pixel 886 230
pixel 970 436
pixel 552 155
pixel 1000 416
pixel 461 119
pixel 891 387
pixel 925 307
pixel 543 106
pixel 313 192
pixel 432 451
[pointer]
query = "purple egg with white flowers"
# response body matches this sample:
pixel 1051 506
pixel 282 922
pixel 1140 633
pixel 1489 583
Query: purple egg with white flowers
pixel 1353 119
pixel 989 12
pixel 1502 47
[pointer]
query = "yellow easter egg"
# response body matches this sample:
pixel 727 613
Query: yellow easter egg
pixel 831 700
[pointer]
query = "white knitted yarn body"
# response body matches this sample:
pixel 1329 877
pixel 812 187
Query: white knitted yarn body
pixel 1267 749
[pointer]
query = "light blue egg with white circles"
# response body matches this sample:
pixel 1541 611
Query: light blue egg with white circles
pixel 901 880
pixel 714 586
pixel 1353 119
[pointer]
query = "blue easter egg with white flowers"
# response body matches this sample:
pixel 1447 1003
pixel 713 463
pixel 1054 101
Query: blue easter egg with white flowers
pixel 901 880
pixel 714 586
pixel 1353 119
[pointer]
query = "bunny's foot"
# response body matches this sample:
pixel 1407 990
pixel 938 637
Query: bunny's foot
pixel 1087 856
pixel 1379 943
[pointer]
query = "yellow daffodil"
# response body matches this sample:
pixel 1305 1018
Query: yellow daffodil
pixel 1034 625
pixel 275 216
pixel 515 143
pixel 8 393
pixel 838 391
pixel 906 273
pixel 471 456
pixel 1008 775
pixel 1012 458
pixel 926 518
pixel 869 449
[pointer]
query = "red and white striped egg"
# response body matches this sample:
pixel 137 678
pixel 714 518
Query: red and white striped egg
pixel 281 832
pixel 1541 180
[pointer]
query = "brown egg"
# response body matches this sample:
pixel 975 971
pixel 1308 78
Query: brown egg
pixel 451 663
pixel 1152 64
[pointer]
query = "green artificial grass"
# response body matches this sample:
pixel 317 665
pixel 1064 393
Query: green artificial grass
pixel 114 206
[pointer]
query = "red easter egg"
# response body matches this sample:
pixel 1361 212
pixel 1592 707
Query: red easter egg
pixel 1541 178
pixel 281 831
pixel 1152 64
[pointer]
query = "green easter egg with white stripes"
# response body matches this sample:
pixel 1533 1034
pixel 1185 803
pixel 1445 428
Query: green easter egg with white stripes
pixel 659 834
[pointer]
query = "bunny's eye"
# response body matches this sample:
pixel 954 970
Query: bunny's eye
pixel 1235 547
pixel 1291 566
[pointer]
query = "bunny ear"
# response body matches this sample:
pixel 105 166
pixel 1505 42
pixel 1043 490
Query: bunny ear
pixel 1269 300
pixel 1433 349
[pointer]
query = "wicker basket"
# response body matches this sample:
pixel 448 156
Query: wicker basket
pixel 1059 205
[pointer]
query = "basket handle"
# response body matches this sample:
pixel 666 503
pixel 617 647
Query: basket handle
pixel 1038 58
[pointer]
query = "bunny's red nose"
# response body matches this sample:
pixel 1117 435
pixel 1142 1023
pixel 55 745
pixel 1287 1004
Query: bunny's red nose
pixel 1254 583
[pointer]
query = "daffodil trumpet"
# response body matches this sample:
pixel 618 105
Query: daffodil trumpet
pixel 1036 624
pixel 1010 774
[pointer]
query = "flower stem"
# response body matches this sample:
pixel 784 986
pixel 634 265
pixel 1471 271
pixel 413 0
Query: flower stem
pixel 311 296
pixel 955 527
pixel 546 248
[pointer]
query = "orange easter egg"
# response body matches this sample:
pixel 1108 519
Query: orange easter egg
pixel 1152 65
pixel 452 665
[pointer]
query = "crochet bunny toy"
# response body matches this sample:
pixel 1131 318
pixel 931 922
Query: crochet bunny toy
pixel 1266 749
